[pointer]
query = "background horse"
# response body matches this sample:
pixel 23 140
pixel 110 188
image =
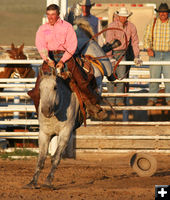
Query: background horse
pixel 58 111
pixel 15 70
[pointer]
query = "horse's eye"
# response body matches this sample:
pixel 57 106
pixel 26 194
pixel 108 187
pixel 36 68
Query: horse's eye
pixel 55 87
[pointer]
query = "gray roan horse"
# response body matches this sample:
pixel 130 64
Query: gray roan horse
pixel 58 111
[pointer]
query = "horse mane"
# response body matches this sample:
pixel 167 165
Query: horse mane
pixel 84 25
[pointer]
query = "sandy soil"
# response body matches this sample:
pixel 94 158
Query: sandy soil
pixel 106 179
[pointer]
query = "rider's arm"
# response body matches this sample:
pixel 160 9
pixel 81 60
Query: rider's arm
pixel 41 45
pixel 134 40
pixel 70 44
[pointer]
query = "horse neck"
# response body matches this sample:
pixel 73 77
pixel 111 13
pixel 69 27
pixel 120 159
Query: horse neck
pixel 59 97
pixel 59 102
pixel 81 37
pixel 64 96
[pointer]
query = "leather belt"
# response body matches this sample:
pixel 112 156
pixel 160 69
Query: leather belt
pixel 55 55
pixel 57 52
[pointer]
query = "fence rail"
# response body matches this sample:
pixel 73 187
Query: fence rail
pixel 39 62
pixel 31 108
pixel 105 136
pixel 12 94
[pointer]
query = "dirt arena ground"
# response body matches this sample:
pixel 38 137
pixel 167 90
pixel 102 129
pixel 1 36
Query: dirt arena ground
pixel 104 179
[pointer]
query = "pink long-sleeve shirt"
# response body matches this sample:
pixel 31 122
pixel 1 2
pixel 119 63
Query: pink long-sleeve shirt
pixel 130 31
pixel 61 36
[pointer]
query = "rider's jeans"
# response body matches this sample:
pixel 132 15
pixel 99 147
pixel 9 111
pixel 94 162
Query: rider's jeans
pixel 118 87
pixel 155 72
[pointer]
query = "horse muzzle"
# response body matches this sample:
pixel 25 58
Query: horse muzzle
pixel 47 112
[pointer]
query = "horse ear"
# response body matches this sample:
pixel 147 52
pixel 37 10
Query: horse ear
pixel 21 48
pixel 12 46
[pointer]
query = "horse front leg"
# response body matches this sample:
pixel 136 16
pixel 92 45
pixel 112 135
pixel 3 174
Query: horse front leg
pixel 63 139
pixel 43 150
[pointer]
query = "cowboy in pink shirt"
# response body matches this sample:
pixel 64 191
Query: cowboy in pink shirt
pixel 56 42
pixel 127 28
pixel 55 35
pixel 130 31
pixel 126 34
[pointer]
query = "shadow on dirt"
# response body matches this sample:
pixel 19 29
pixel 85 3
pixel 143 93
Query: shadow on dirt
pixel 160 174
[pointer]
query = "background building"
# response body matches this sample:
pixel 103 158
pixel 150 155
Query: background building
pixel 21 18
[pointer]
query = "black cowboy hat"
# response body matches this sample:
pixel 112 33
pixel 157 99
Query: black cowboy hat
pixel 163 8
pixel 86 3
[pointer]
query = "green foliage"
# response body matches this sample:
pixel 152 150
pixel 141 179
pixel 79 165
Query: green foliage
pixel 18 152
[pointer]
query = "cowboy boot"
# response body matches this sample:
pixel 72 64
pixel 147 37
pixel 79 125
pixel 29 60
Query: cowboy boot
pixel 87 86
pixel 96 112
pixel 84 82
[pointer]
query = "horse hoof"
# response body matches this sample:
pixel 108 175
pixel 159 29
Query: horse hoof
pixel 48 187
pixel 31 186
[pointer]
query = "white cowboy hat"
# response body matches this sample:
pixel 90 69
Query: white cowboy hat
pixel 86 3
pixel 123 12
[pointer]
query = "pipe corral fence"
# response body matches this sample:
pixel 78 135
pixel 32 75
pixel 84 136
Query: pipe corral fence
pixel 134 127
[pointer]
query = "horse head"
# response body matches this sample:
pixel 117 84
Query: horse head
pixel 48 92
pixel 17 53
pixel 20 70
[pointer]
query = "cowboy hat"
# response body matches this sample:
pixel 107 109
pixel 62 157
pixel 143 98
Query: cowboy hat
pixel 163 8
pixel 86 3
pixel 123 12
pixel 143 164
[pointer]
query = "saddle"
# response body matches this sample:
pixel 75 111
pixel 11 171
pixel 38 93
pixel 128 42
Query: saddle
pixel 80 79
pixel 86 61
pixel 83 83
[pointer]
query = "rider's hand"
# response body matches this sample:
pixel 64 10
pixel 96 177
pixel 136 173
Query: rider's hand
pixel 60 65
pixel 150 52
pixel 50 63
pixel 138 62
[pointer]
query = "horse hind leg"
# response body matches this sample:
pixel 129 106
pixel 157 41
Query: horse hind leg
pixel 43 150
pixel 56 158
